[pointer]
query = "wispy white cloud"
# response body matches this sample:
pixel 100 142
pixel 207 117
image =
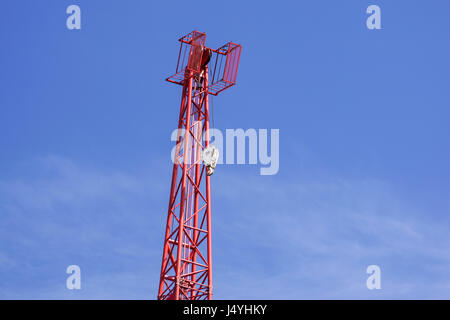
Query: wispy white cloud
pixel 273 237
pixel 103 220
pixel 315 240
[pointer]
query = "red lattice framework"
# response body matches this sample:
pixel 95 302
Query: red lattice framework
pixel 186 270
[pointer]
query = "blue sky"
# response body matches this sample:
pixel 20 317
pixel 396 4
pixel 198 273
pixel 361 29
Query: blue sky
pixel 85 123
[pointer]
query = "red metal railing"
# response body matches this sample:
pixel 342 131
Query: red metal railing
pixel 223 64
pixel 223 67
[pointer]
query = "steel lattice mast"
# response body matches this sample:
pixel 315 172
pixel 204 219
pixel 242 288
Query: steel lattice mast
pixel 186 270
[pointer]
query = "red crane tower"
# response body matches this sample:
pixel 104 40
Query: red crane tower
pixel 186 270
